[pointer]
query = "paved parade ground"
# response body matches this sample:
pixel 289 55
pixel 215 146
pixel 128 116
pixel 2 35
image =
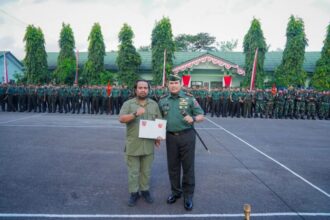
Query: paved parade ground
pixel 63 166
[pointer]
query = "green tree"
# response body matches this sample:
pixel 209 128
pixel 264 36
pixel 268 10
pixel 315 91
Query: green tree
pixel 226 46
pixel 35 60
pixel 128 60
pixel 321 76
pixel 198 42
pixel 96 52
pixel 161 39
pixel 66 60
pixel 254 39
pixel 290 72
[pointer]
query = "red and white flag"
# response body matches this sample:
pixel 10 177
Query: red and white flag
pixel 254 69
pixel 186 80
pixel 164 70
pixel 5 69
pixel 227 81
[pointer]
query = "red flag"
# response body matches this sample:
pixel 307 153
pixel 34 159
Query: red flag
pixel 254 70
pixel 5 69
pixel 186 80
pixel 164 69
pixel 77 60
pixel 109 88
pixel 226 82
pixel 274 89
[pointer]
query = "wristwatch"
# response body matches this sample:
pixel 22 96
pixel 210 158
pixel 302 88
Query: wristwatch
pixel 135 114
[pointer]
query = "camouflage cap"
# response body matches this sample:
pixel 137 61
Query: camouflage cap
pixel 174 77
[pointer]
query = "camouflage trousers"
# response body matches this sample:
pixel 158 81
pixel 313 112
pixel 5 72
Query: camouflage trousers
pixel 311 109
pixel 324 110
pixel 259 107
pixel 279 109
pixel 288 108
pixel 300 109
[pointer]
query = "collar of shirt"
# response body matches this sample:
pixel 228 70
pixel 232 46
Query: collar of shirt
pixel 145 104
pixel 181 94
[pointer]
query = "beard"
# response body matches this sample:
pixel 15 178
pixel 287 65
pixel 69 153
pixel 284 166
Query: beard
pixel 142 97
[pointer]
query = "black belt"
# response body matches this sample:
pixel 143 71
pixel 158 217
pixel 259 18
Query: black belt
pixel 178 133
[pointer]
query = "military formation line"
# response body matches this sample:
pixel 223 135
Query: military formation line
pixel 221 102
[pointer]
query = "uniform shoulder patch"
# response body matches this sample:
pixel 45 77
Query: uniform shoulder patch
pixel 163 96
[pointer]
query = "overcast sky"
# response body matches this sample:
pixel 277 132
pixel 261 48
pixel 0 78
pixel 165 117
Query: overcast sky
pixel 223 19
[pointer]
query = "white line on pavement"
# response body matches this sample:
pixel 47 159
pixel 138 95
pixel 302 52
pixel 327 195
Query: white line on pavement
pixel 272 159
pixel 272 214
pixel 19 119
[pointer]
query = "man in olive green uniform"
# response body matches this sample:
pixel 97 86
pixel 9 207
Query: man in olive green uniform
pixel 115 93
pixel 247 100
pixel 180 110
pixel 215 96
pixel 139 152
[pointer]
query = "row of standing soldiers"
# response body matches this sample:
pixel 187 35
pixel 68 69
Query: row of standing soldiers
pixel 292 103
pixel 63 99
pixel 232 102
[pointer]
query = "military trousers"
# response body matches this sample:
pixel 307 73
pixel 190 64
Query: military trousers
pixel 180 149
pixel 139 172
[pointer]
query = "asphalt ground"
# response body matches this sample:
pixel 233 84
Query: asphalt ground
pixel 64 166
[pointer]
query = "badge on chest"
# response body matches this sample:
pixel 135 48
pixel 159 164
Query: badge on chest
pixel 183 103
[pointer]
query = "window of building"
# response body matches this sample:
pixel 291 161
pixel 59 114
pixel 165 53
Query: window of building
pixel 216 84
pixel 197 84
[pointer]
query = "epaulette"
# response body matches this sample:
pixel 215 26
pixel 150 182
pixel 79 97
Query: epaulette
pixel 163 96
pixel 189 94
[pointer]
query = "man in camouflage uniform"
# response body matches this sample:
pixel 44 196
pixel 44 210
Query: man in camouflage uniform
pixel 279 105
pixel 289 104
pixel 259 111
pixel 311 104
pixel 269 99
pixel 300 104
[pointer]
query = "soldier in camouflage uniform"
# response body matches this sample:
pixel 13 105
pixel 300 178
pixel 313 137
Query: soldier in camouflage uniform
pixel 311 104
pixel 300 104
pixel 269 99
pixel 325 103
pixel 115 93
pixel 289 104
pixel 259 104
pixel 279 105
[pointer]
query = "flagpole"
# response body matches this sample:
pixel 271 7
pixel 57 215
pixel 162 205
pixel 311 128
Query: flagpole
pixel 164 69
pixel 5 70
pixel 77 61
pixel 254 69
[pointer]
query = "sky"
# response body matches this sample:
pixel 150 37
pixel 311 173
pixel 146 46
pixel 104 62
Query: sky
pixel 223 19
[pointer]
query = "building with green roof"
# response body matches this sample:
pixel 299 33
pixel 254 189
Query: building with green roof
pixel 205 68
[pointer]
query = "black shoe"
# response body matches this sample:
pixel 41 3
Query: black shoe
pixel 147 197
pixel 172 198
pixel 188 204
pixel 133 199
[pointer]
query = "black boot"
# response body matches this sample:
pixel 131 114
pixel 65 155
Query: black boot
pixel 133 199
pixel 147 197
